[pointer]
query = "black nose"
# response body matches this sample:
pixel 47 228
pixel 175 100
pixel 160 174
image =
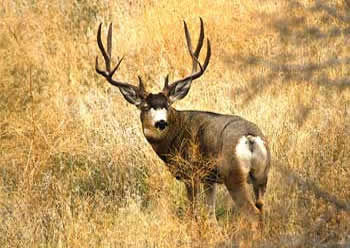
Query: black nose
pixel 161 124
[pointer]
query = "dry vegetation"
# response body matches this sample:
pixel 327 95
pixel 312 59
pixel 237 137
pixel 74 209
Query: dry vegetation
pixel 75 169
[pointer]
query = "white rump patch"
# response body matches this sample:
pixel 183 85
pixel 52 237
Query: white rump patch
pixel 244 154
pixel 242 149
pixel 159 114
pixel 261 146
pixel 251 152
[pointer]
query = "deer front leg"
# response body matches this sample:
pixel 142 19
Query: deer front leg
pixel 192 189
pixel 210 192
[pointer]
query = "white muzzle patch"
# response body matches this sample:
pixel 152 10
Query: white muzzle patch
pixel 156 115
pixel 159 115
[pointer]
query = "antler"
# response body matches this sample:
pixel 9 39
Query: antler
pixel 195 60
pixel 108 74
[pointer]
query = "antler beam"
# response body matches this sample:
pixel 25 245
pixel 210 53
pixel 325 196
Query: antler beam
pixel 108 74
pixel 195 57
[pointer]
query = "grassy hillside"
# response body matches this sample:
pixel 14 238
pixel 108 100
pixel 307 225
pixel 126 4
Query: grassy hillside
pixel 75 169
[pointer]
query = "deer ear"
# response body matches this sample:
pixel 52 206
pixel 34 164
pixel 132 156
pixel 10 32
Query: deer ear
pixel 179 91
pixel 131 95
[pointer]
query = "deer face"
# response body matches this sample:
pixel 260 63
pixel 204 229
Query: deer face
pixel 154 115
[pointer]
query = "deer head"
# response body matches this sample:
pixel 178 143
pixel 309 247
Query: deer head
pixel 154 108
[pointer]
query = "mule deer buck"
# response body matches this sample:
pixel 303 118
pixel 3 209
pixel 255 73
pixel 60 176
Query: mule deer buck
pixel 237 148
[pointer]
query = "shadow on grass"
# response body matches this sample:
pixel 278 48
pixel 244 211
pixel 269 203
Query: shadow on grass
pixel 314 235
pixel 308 186
pixel 295 36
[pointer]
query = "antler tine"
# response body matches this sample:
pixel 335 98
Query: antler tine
pixel 102 49
pixel 166 81
pixel 116 67
pixel 200 40
pixel 188 39
pixel 207 58
pixel 109 41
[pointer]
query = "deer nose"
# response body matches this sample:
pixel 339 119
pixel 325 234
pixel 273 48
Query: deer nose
pixel 161 124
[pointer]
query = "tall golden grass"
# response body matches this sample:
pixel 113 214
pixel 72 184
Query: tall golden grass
pixel 75 169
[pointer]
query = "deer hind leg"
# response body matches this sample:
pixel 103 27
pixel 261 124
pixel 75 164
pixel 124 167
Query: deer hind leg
pixel 259 187
pixel 237 172
pixel 236 184
pixel 259 169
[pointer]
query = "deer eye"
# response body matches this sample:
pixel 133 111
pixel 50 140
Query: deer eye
pixel 146 107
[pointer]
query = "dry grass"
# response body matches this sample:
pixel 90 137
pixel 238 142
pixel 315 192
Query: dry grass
pixel 75 169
